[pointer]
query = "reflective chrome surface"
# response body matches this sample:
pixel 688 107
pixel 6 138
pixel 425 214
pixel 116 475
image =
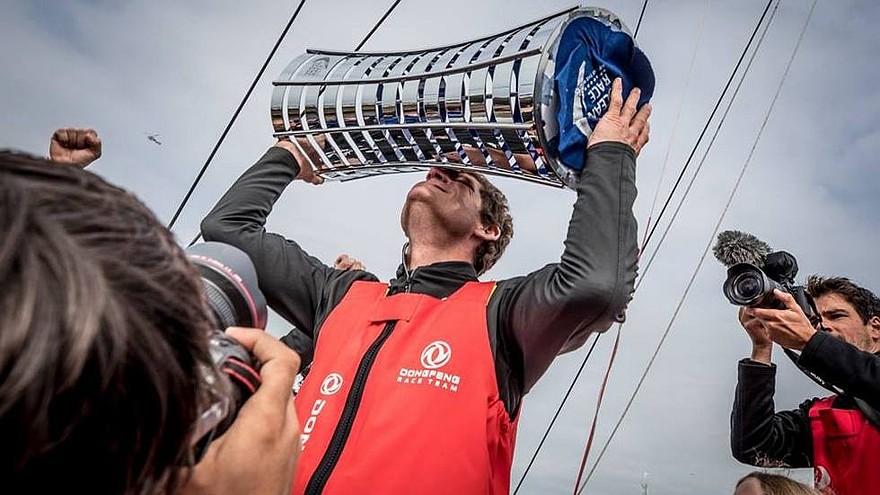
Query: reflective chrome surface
pixel 479 105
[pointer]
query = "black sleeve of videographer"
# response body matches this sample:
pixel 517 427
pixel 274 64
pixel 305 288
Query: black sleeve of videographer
pixel 843 364
pixel 760 436
pixel 299 287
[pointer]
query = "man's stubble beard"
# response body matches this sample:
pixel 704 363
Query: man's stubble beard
pixel 418 215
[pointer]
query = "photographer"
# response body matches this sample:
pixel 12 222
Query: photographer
pixel 835 435
pixel 104 358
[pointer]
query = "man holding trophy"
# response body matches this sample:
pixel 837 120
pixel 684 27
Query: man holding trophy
pixel 416 384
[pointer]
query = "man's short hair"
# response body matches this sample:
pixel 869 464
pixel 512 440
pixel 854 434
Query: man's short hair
pixel 494 211
pixel 104 336
pixel 863 300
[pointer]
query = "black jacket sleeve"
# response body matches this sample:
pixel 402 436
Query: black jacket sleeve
pixel 759 435
pixel 557 307
pixel 855 371
pixel 299 287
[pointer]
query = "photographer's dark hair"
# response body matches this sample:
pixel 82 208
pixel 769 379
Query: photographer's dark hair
pixel 103 340
pixel 863 300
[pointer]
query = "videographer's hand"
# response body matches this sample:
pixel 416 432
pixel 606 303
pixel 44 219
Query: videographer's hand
pixel 306 171
pixel 788 327
pixel 258 453
pixel 77 147
pixel 621 123
pixel 762 344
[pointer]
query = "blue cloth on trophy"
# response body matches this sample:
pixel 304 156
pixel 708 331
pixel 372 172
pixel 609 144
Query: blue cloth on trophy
pixel 592 52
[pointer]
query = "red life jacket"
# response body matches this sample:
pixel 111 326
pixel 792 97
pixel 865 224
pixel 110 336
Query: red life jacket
pixel 402 398
pixel 846 450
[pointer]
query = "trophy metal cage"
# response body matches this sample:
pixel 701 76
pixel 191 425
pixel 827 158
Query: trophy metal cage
pixel 486 105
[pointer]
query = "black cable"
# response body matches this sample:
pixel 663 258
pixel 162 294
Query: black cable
pixel 678 181
pixel 361 44
pixel 590 352
pixel 715 134
pixel 558 410
pixel 708 122
pixel 370 34
pixel 244 100
pixel 195 239
pixel 639 22
pixel 724 211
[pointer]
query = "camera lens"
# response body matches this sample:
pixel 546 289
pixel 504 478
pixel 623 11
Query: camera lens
pixel 233 294
pixel 231 286
pixel 747 286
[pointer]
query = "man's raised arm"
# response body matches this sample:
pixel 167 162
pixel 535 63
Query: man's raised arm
pixel 296 284
pixel 556 307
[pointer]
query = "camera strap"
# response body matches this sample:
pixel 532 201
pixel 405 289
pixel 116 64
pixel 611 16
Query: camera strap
pixel 867 410
pixel 872 414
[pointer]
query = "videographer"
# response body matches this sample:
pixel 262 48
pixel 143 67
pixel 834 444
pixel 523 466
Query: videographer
pixel 104 358
pixel 836 435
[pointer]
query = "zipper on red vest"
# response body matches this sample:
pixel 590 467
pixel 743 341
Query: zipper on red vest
pixel 346 420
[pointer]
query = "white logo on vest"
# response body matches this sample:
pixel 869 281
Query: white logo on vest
pixel 436 355
pixel 331 384
pixel 821 477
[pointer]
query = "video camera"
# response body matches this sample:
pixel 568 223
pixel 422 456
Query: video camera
pixel 753 272
pixel 233 294
pixel 750 285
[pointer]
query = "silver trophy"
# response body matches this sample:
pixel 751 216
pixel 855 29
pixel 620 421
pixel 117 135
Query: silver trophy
pixel 487 105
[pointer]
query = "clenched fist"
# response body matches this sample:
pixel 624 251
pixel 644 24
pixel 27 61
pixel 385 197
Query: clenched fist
pixel 77 147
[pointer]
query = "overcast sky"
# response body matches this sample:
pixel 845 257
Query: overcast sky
pixel 179 69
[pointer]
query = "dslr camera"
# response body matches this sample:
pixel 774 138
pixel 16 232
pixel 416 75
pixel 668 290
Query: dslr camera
pixel 750 285
pixel 234 298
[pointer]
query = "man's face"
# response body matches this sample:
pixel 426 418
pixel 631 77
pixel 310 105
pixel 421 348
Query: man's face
pixel 843 321
pixel 448 198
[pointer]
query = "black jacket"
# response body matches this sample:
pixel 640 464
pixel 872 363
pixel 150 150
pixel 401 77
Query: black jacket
pixel 759 436
pixel 531 318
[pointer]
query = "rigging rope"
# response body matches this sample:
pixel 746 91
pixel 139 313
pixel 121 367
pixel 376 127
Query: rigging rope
pixel 617 340
pixel 639 22
pixel 598 408
pixel 589 353
pixel 556 415
pixel 675 125
pixel 708 122
pixel 647 238
pixel 283 34
pixel 376 26
pixel 709 146
pixel 714 232
pixel 244 100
